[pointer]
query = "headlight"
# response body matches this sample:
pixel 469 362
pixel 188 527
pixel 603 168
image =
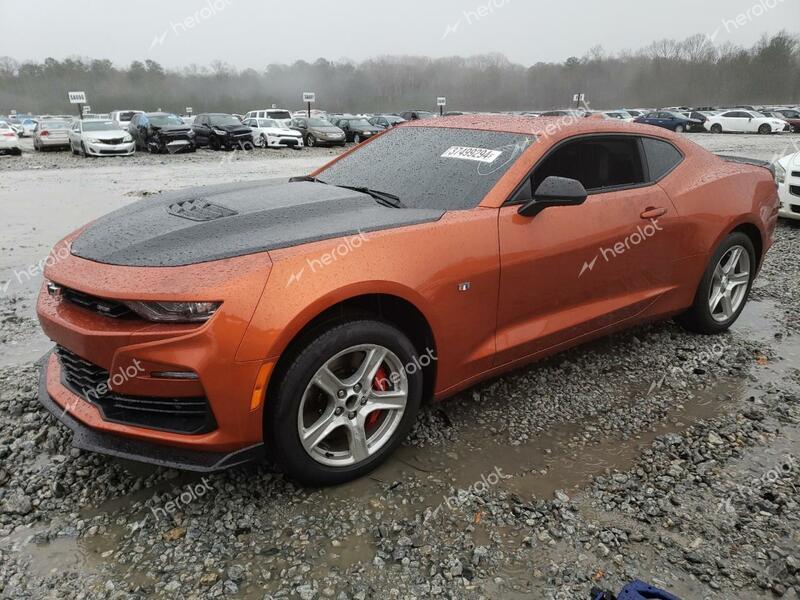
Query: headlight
pixel 190 133
pixel 780 173
pixel 174 312
pixel 92 140
pixel 127 138
pixel 220 132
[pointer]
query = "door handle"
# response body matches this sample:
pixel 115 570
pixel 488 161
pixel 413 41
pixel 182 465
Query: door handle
pixel 652 212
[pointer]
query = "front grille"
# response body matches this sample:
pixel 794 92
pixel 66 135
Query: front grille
pixel 178 415
pixel 794 190
pixel 112 141
pixel 102 306
pixel 795 173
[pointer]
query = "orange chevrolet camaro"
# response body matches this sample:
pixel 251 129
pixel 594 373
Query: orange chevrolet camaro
pixel 306 320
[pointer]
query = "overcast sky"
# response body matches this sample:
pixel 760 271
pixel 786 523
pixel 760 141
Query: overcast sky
pixel 253 33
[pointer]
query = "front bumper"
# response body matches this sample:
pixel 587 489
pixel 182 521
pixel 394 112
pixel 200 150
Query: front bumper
pixel 103 442
pixel 284 142
pixel 789 194
pixel 100 149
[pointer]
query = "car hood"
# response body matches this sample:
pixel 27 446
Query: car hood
pixel 171 128
pixel 205 224
pixel 279 131
pixel 325 129
pixel 232 128
pixel 106 135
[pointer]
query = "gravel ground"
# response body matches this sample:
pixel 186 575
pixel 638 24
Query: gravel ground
pixel 652 454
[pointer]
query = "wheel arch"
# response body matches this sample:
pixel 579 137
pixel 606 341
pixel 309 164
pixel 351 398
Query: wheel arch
pixel 387 307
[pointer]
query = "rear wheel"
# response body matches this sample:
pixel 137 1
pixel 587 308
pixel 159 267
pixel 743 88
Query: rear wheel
pixel 725 287
pixel 716 128
pixel 347 401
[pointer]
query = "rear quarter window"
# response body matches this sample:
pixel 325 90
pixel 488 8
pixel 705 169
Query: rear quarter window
pixel 662 157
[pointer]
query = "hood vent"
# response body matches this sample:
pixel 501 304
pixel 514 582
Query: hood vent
pixel 197 209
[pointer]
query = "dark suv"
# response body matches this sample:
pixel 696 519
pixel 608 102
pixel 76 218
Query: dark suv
pixel 221 130
pixel 161 132
pixel 356 129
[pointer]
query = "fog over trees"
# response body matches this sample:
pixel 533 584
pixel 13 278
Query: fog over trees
pixel 668 72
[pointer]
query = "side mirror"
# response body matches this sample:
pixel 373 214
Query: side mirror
pixel 554 191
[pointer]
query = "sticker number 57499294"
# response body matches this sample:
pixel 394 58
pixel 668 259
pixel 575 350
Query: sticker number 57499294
pixel 477 154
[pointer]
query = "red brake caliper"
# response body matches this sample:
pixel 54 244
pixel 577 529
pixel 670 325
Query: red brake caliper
pixel 380 384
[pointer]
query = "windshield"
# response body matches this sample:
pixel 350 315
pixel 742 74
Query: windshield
pixel 269 123
pixel 279 114
pixel 165 120
pixel 357 123
pixel 319 123
pixel 99 126
pixel 221 120
pixel 426 167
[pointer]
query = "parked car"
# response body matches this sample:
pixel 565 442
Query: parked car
pixel 27 126
pixel 620 115
pixel 51 133
pixel 788 179
pixel 268 113
pixel 386 121
pixel 673 121
pixel 415 115
pixel 221 131
pixel 161 132
pixel 745 121
pixel 9 140
pixel 123 117
pixel 700 116
pixel 269 133
pixel 789 115
pixel 566 112
pixel 99 138
pixel 464 244
pixel 318 132
pixel 356 129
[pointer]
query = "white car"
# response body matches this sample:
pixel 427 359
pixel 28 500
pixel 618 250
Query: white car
pixel 787 175
pixel 100 138
pixel 745 121
pixel 620 115
pixel 9 140
pixel 123 117
pixel 268 113
pixel 271 133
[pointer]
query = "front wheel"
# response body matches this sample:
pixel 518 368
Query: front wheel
pixel 725 287
pixel 679 129
pixel 764 129
pixel 311 142
pixel 345 403
pixel 261 141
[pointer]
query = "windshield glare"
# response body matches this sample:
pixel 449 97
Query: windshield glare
pixel 99 126
pixel 220 120
pixel 269 123
pixel 165 120
pixel 446 169
pixel 319 123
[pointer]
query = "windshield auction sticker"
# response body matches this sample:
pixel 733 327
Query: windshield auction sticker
pixel 477 154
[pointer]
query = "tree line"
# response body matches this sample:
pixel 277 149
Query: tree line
pixel 693 72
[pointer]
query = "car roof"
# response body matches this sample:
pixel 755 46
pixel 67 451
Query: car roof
pixel 555 127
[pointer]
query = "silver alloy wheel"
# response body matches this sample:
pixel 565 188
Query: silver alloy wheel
pixel 337 421
pixel 357 139
pixel 729 284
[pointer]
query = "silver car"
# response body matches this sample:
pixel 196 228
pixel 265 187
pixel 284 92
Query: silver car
pixel 100 138
pixel 51 133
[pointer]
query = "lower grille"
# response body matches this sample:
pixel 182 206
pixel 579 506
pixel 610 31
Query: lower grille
pixel 796 174
pixel 90 382
pixel 794 190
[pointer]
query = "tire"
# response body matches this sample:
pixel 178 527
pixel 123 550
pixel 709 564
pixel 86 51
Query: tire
pixel 311 142
pixel 72 148
pixel 213 143
pixel 83 151
pixel 679 129
pixel 716 128
pixel 765 129
pixel 261 141
pixel 16 152
pixel 700 318
pixel 356 139
pixel 299 404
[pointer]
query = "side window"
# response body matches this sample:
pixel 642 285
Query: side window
pixel 596 162
pixel 661 156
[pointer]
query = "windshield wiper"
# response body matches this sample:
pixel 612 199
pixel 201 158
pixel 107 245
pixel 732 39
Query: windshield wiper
pixel 382 198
